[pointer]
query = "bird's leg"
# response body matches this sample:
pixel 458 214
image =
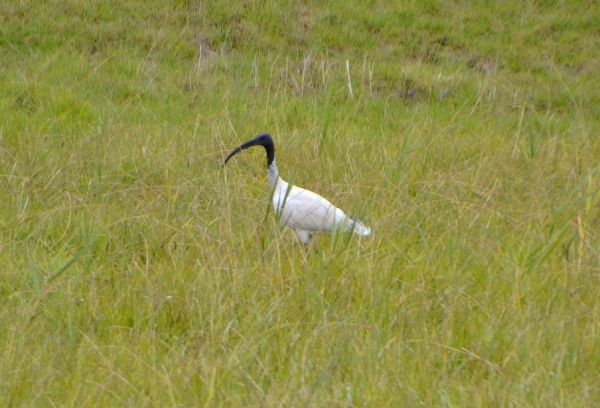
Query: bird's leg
pixel 305 237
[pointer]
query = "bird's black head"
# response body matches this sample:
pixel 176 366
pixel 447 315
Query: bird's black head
pixel 264 139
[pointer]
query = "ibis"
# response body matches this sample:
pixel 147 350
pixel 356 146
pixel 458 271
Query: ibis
pixel 306 212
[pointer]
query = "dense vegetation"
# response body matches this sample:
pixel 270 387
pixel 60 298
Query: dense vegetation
pixel 138 272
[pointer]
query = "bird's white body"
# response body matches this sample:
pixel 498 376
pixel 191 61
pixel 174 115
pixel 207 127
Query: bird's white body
pixel 308 212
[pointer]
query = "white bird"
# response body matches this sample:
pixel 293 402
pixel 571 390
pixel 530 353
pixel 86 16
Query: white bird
pixel 303 210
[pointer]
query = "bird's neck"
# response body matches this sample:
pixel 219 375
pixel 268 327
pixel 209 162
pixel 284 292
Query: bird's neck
pixel 273 174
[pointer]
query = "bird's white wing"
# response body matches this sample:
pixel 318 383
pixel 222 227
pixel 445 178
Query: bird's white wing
pixel 304 210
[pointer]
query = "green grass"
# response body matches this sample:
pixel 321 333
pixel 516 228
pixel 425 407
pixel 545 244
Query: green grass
pixel 138 272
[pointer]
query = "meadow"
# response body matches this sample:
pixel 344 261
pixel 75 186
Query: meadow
pixel 136 271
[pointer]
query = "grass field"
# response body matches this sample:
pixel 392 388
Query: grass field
pixel 138 272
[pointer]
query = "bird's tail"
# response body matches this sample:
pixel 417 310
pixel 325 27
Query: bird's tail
pixel 360 229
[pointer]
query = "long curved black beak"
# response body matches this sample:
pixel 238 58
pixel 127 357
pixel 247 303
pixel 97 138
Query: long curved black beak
pixel 264 139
